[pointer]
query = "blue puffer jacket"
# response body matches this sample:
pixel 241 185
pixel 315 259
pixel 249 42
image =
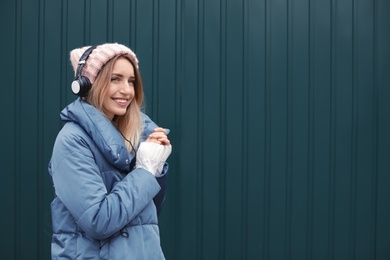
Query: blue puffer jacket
pixel 101 209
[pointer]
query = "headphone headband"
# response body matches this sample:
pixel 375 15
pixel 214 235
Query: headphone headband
pixel 82 60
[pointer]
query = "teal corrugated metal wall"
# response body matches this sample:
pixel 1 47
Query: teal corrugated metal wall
pixel 279 111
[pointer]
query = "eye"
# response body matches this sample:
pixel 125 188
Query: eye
pixel 132 82
pixel 114 78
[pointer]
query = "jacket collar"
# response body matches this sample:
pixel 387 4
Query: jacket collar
pixel 106 137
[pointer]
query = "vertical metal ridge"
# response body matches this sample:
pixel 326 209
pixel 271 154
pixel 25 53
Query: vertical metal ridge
pixel 155 55
pixel 332 129
pixel 289 134
pixel 178 122
pixel 354 138
pixel 200 125
pixel 110 20
pixel 17 126
pixel 87 22
pixel 64 51
pixel 179 78
pixel 375 126
pixel 311 147
pixel 133 25
pixel 267 155
pixel 40 125
pixel 245 130
pixel 222 176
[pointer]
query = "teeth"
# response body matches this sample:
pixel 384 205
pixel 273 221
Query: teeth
pixel 121 100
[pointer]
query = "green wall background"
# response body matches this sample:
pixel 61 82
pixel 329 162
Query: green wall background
pixel 279 111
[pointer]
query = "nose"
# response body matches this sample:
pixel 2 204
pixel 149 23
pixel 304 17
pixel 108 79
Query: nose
pixel 127 88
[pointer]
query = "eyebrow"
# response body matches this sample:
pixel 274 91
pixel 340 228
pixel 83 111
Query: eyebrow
pixel 120 75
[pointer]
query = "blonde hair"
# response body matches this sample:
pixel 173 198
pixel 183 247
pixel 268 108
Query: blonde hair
pixel 129 124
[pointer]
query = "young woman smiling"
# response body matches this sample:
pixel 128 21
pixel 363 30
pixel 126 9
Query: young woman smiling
pixel 108 164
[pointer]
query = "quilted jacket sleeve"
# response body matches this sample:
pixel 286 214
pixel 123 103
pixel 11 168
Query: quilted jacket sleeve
pixel 79 185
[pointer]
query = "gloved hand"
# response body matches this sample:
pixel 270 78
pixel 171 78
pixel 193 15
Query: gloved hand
pixel 152 157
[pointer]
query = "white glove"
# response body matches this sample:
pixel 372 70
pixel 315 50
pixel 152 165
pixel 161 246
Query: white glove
pixel 152 157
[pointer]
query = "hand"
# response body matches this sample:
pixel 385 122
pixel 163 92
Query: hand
pixel 152 156
pixel 153 153
pixel 159 136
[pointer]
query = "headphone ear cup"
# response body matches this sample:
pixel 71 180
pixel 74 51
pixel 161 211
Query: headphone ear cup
pixel 81 86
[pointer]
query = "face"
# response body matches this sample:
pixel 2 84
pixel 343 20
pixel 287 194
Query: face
pixel 121 88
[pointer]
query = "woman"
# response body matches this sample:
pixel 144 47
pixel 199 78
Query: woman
pixel 108 163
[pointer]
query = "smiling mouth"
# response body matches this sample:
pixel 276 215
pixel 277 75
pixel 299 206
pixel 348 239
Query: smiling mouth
pixel 121 101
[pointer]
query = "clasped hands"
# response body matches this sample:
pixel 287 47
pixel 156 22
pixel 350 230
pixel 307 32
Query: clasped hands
pixel 153 153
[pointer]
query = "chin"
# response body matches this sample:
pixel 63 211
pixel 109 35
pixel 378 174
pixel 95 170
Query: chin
pixel 120 113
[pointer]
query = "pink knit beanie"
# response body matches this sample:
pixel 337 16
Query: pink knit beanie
pixel 99 57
